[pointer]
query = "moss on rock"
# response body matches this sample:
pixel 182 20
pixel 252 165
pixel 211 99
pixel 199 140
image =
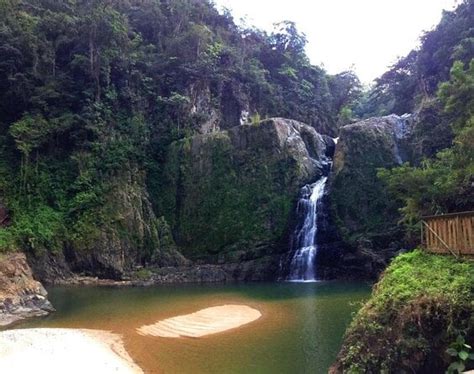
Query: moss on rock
pixel 234 189
pixel 417 309
pixel 360 203
pixel 123 233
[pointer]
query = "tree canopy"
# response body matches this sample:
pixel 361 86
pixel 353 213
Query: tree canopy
pixel 92 90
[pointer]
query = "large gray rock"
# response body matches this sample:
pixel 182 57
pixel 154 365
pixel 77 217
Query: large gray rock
pixel 234 190
pixel 364 215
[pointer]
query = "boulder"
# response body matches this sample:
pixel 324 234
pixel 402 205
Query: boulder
pixel 364 215
pixel 20 295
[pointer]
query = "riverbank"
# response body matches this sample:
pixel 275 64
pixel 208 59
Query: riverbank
pixel 58 351
pixel 421 306
pixel 260 265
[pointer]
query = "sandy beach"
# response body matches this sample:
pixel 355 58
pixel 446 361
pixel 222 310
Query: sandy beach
pixel 58 351
pixel 204 322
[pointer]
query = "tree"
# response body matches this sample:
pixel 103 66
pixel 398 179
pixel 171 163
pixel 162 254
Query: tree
pixel 446 183
pixel 346 89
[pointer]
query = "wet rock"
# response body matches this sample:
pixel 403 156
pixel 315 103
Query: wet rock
pixel 49 267
pixel 234 190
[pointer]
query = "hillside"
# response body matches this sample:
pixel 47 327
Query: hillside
pixel 139 133
pixel 92 94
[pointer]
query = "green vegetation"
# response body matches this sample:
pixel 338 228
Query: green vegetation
pixel 446 183
pixel 420 317
pixel 360 203
pixel 436 83
pixel 92 93
pixel 418 309
pixel 415 78
pixel 252 188
pixel 460 353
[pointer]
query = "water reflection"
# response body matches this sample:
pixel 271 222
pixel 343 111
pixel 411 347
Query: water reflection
pixel 300 330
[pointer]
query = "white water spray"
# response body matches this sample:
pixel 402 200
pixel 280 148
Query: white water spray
pixel 303 263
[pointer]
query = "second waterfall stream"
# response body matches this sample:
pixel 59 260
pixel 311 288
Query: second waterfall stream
pixel 304 244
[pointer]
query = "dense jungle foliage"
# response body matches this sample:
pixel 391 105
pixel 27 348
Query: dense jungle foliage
pixel 444 183
pixel 92 92
pixel 436 83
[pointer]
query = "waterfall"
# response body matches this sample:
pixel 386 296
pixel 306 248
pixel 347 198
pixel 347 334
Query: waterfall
pixel 303 263
pixel 401 130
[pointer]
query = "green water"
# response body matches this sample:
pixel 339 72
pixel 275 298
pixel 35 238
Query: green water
pixel 300 330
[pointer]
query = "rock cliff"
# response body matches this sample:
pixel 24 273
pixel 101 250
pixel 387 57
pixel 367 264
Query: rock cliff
pixel 20 295
pixel 362 216
pixel 229 194
pixel 130 235
pixel 223 204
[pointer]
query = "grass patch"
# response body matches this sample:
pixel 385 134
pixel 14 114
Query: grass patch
pixel 422 303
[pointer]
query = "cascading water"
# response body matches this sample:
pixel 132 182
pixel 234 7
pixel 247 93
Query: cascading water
pixel 401 130
pixel 303 263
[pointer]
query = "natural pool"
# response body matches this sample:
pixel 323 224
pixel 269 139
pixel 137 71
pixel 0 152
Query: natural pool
pixel 300 330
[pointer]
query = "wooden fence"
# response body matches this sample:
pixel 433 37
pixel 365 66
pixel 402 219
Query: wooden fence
pixel 449 233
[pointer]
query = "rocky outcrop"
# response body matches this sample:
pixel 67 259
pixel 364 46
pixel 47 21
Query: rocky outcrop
pixel 258 269
pixel 129 235
pixel 218 108
pixel 133 235
pixel 20 295
pixel 234 190
pixel 261 269
pixel 49 267
pixel 225 201
pixel 364 216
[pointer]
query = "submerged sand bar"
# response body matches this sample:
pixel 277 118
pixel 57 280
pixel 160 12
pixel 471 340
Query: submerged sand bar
pixel 204 322
pixel 59 351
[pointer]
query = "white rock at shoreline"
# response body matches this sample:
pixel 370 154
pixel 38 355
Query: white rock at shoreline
pixel 60 351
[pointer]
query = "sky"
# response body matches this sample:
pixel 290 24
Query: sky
pixel 365 35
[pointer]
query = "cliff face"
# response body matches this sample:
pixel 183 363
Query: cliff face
pixel 133 235
pixel 130 234
pixel 74 157
pixel 232 191
pixel 224 198
pixel 20 295
pixel 362 214
pixel 227 197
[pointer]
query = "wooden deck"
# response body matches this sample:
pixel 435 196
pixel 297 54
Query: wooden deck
pixel 449 233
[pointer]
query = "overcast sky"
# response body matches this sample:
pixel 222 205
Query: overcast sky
pixel 366 34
